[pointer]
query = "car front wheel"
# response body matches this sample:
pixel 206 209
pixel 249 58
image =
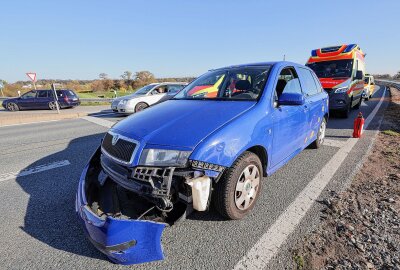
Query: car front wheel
pixel 11 106
pixel 141 106
pixel 238 189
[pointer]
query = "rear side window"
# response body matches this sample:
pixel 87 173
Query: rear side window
pixel 42 94
pixel 308 83
pixel 173 89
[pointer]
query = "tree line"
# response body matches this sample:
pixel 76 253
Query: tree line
pixel 128 82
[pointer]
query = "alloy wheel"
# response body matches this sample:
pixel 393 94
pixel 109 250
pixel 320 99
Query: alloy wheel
pixel 247 187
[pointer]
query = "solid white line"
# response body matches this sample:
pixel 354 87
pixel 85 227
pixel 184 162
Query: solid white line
pixel 268 245
pixel 99 121
pixel 46 121
pixel 37 169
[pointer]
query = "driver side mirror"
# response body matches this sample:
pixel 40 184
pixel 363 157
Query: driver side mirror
pixel 291 99
pixel 359 75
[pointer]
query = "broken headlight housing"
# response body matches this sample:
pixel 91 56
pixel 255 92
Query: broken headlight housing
pixel 163 157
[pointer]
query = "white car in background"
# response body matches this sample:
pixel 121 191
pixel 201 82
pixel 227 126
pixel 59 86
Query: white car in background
pixel 146 96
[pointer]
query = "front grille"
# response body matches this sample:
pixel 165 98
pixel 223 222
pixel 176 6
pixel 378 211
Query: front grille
pixel 121 150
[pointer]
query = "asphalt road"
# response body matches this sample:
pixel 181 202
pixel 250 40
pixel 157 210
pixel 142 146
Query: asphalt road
pixel 39 170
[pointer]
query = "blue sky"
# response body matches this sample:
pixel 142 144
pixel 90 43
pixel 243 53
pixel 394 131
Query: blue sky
pixel 80 39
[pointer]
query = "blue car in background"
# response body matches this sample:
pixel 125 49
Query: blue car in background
pixel 42 99
pixel 214 142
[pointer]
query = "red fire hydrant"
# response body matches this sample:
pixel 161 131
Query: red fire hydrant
pixel 358 126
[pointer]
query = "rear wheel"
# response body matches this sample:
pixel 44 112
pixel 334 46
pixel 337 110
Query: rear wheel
pixel 52 105
pixel 237 191
pixel 141 106
pixel 11 106
pixel 320 136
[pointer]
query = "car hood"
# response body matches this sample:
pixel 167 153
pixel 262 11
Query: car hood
pixel 180 123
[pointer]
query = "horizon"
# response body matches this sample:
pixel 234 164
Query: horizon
pixel 175 39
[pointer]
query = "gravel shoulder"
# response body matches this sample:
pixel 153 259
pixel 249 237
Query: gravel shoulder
pixel 360 227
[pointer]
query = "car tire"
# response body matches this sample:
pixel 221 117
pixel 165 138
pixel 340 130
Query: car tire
pixel 358 104
pixel 320 136
pixel 52 105
pixel 236 193
pixel 141 106
pixel 11 106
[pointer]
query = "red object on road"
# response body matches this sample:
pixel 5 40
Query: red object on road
pixel 358 126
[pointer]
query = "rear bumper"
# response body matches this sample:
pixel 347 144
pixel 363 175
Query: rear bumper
pixel 123 241
pixel 70 103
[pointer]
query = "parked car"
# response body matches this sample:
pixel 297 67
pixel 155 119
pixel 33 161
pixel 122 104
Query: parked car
pixel 147 96
pixel 156 166
pixel 369 86
pixel 42 99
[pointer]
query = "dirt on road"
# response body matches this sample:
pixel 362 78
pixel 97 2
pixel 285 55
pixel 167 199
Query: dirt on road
pixel 360 227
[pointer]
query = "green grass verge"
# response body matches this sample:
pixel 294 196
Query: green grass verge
pixel 90 103
pixel 101 94
pixel 391 133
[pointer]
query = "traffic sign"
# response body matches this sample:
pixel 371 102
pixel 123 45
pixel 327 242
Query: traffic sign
pixel 32 76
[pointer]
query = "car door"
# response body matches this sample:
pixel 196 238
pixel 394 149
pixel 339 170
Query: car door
pixel 315 101
pixel 27 100
pixel 289 121
pixel 156 94
pixel 42 99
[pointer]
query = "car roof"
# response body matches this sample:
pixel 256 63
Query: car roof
pixel 173 83
pixel 260 64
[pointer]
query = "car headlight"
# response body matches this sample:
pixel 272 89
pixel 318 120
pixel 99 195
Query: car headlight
pixel 341 90
pixel 162 157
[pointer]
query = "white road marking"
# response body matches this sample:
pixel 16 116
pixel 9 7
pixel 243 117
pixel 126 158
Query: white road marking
pixel 46 121
pixel 268 245
pixel 334 143
pixel 37 169
pixel 99 121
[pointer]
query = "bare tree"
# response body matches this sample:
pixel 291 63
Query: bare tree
pixel 127 76
pixel 103 76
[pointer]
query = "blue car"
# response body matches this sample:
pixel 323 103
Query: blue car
pixel 213 143
pixel 42 99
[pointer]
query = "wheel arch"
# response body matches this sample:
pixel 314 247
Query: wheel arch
pixel 262 154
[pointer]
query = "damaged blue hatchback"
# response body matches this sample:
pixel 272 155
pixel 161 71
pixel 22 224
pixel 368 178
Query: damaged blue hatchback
pixel 212 143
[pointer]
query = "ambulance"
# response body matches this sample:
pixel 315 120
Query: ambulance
pixel 340 70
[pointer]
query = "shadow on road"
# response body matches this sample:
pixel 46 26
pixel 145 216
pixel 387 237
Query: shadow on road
pixel 50 214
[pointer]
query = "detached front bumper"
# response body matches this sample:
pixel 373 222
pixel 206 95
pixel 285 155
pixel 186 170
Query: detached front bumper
pixel 124 241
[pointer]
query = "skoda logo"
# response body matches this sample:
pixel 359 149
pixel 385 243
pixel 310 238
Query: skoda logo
pixel 114 140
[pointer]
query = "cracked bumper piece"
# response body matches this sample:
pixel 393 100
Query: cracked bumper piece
pixel 124 241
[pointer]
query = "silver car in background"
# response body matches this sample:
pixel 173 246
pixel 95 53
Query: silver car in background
pixel 146 96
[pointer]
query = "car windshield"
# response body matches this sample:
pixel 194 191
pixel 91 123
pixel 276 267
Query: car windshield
pixel 366 80
pixel 332 69
pixel 241 83
pixel 144 90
